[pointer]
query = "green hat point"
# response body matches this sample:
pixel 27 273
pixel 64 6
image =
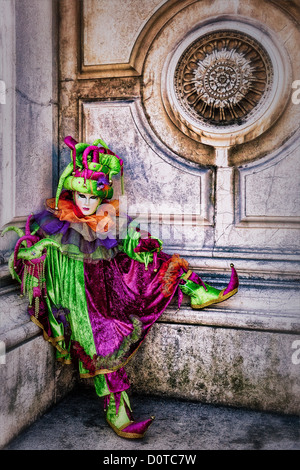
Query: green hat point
pixel 91 169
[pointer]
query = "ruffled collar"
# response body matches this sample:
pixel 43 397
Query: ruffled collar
pixel 103 221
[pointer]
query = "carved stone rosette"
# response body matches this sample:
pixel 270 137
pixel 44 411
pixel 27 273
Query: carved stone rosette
pixel 222 77
pixel 223 86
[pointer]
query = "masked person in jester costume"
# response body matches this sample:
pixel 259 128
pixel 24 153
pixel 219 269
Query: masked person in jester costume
pixel 94 295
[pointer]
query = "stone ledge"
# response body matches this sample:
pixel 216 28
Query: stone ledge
pixel 15 324
pixel 230 318
pixel 264 306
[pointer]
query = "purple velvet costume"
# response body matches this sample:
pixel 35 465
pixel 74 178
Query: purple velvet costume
pixel 123 298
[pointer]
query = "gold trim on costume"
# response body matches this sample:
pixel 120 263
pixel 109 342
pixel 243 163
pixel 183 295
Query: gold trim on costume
pixel 187 275
pixel 128 435
pixel 64 361
pixel 53 341
pixel 219 299
pixel 84 375
pixel 113 369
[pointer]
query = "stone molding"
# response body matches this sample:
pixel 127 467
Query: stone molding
pixel 243 174
pixel 132 66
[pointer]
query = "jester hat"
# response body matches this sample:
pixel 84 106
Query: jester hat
pixel 91 169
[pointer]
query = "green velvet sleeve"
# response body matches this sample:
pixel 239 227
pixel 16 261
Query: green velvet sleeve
pixel 131 242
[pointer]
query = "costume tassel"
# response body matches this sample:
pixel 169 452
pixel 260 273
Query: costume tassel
pixel 37 307
pixel 34 283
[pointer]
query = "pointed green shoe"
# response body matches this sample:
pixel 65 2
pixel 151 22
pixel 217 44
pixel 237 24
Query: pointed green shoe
pixel 120 419
pixel 204 295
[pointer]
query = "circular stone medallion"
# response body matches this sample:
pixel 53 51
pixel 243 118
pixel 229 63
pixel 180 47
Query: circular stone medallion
pixel 223 85
pixel 222 77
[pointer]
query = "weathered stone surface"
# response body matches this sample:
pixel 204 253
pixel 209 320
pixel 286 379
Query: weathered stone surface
pixel 279 177
pixel 222 366
pixel 29 127
pixel 36 106
pixel 31 381
pixel 111 29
